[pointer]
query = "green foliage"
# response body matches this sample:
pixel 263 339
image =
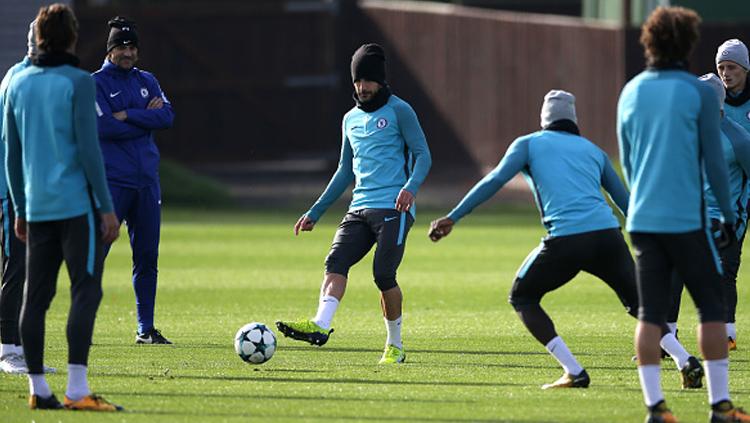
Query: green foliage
pixel 182 187
pixel 468 356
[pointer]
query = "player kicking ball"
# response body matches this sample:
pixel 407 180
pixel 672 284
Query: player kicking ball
pixel 565 171
pixel 384 152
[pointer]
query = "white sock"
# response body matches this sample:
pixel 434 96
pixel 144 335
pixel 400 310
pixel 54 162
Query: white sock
pixel 650 384
pixel 717 377
pixel 394 332
pixel 732 330
pixel 672 326
pixel 327 306
pixel 19 350
pixel 6 349
pixel 562 354
pixel 38 386
pixel 673 347
pixel 78 384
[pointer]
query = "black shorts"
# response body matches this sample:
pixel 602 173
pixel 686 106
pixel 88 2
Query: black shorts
pixel 693 257
pixel 730 264
pixel 557 260
pixel 359 231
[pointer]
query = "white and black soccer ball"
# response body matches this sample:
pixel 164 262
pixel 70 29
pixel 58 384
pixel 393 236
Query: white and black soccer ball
pixel 255 343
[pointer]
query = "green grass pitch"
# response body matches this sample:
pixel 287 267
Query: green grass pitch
pixel 468 356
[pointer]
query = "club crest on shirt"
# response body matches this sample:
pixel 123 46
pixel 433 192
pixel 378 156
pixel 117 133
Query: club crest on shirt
pixel 144 92
pixel 748 115
pixel 382 123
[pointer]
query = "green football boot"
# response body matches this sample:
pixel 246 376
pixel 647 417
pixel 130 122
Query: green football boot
pixel 393 355
pixel 304 330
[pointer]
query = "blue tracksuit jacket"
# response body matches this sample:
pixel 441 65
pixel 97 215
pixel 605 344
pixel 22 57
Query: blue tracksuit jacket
pixel 383 152
pixel 565 171
pixel 130 154
pixel 668 130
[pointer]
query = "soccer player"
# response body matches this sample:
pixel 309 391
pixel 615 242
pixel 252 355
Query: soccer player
pixel 732 65
pixel 385 154
pixel 13 250
pixel 566 171
pixel 130 107
pixel 669 132
pixel 63 208
pixel 736 149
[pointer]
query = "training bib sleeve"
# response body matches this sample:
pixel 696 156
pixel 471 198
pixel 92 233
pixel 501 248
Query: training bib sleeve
pixel 13 161
pixel 709 136
pixel 89 151
pixel 613 185
pixel 740 140
pixel 417 143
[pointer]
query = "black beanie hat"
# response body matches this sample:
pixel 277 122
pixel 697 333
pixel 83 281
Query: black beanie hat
pixel 368 62
pixel 122 33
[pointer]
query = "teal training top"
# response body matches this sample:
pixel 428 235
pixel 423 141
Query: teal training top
pixel 735 143
pixel 53 147
pixel 23 64
pixel 565 172
pixel 739 114
pixel 383 152
pixel 668 130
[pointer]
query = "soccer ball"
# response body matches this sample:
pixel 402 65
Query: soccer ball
pixel 255 343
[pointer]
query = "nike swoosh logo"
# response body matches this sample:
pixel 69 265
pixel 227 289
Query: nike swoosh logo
pixel 113 95
pixel 388 219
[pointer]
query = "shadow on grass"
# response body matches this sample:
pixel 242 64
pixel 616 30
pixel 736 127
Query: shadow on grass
pixel 264 379
pixel 280 397
pixel 415 351
pixel 331 417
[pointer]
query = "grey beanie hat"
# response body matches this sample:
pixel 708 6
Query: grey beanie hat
pixel 715 83
pixel 31 40
pixel 558 105
pixel 735 51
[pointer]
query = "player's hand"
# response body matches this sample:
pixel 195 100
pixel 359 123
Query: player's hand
pixel 404 201
pixel 20 227
pixel 440 228
pixel 155 103
pixel 727 236
pixel 110 227
pixel 303 224
pixel 121 115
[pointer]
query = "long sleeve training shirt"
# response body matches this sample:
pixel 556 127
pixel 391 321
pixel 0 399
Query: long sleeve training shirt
pixel 565 172
pixel 735 144
pixel 53 156
pixel 382 152
pixel 668 132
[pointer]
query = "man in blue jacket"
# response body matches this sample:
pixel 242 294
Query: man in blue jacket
pixel 566 173
pixel 384 152
pixel 130 106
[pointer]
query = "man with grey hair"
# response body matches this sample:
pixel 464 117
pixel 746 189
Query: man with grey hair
pixel 566 171
pixel 13 250
pixel 732 65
